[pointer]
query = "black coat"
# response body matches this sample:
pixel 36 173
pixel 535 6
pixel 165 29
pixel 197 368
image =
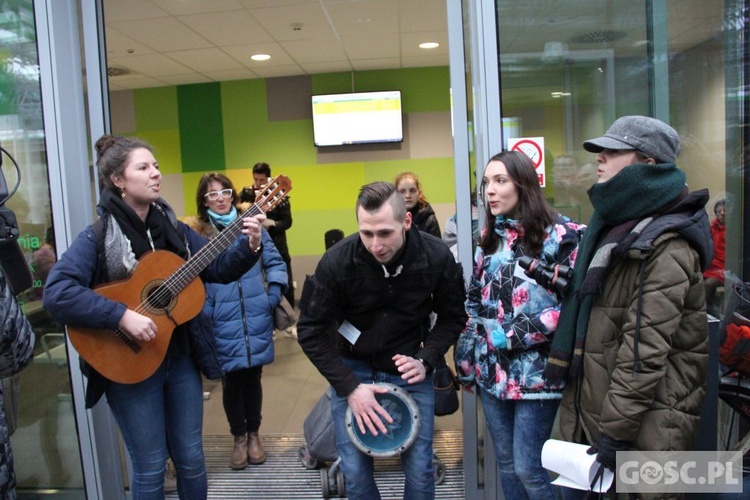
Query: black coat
pixel 423 216
pixel 392 313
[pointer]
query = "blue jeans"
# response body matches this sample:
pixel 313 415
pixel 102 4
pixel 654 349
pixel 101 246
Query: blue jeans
pixel 519 429
pixel 574 494
pixel 161 416
pixel 416 461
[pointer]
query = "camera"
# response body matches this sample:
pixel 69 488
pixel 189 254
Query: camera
pixel 550 275
pixel 12 261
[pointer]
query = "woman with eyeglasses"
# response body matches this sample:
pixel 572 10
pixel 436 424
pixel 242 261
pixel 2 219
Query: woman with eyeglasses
pixel 162 415
pixel 242 317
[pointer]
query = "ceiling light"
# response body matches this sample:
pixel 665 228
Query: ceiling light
pixel 117 71
pixel 260 57
pixel 429 45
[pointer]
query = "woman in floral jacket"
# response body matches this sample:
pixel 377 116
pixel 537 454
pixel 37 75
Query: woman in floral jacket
pixel 505 346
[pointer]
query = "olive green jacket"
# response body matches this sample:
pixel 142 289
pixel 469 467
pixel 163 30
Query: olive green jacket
pixel 658 407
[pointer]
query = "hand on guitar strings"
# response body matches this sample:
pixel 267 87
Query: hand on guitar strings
pixel 251 227
pixel 140 327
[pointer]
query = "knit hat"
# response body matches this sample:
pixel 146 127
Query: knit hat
pixel 650 136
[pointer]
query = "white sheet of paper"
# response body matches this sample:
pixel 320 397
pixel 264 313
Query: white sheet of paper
pixel 575 467
pixel 349 332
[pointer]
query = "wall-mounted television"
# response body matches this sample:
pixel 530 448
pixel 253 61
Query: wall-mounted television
pixel 357 118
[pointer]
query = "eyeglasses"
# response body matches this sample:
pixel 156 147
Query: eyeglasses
pixel 215 195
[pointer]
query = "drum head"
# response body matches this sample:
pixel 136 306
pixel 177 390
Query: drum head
pixel 400 434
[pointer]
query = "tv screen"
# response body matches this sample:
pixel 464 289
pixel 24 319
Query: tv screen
pixel 357 118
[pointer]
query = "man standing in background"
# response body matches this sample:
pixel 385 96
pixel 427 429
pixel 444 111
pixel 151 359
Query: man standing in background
pixel 278 221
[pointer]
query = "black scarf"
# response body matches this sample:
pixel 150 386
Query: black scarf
pixel 621 207
pixel 163 233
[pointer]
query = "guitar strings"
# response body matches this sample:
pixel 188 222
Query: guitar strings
pixel 192 268
pixel 187 273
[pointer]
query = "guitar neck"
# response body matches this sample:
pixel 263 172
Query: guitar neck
pixel 272 195
pixel 198 262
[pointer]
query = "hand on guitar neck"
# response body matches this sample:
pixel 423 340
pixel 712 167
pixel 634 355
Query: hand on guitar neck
pixel 251 227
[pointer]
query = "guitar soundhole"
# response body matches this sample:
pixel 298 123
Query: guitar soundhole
pixel 158 297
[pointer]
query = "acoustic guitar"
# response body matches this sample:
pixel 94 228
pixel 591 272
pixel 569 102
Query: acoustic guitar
pixel 168 290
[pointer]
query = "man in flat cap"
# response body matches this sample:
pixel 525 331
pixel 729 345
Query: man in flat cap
pixel 632 335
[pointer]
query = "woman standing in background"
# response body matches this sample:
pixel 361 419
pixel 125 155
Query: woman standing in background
pixel 505 346
pixel 422 214
pixel 242 317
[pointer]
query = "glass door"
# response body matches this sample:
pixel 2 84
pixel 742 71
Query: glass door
pixel 564 71
pixel 37 402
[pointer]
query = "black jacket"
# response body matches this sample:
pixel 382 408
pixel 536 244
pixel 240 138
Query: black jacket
pixel 281 214
pixel 423 216
pixel 392 314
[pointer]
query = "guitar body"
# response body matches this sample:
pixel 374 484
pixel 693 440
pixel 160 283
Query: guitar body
pixel 132 361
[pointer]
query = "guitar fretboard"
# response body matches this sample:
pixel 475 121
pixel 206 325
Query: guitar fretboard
pixel 273 194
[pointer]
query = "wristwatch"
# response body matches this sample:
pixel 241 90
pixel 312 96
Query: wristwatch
pixel 258 249
pixel 425 364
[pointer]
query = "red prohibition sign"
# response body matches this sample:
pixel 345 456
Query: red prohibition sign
pixel 530 149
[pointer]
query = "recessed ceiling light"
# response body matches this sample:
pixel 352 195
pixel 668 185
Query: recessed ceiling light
pixel 260 57
pixel 429 45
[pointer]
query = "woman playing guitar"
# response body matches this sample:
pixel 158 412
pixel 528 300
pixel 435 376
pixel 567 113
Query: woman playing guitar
pixel 148 321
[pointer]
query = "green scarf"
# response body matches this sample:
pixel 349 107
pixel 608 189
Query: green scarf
pixel 637 191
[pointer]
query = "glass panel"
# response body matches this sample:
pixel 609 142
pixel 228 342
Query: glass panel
pixel 736 53
pixel 569 69
pixel 565 77
pixel 697 95
pixel 478 424
pixel 37 402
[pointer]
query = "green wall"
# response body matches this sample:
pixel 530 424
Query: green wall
pixel 226 127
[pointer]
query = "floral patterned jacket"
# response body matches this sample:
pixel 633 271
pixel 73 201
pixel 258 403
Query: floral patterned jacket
pixel 505 345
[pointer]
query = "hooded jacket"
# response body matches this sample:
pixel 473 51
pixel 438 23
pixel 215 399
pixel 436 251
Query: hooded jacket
pixel 644 365
pixel 423 216
pixel 505 346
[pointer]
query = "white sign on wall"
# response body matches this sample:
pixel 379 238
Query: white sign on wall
pixel 533 147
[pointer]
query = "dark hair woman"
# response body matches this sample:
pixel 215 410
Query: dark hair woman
pixel 505 346
pixel 163 414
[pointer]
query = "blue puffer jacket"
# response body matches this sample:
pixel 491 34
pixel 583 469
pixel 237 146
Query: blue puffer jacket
pixel 242 312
